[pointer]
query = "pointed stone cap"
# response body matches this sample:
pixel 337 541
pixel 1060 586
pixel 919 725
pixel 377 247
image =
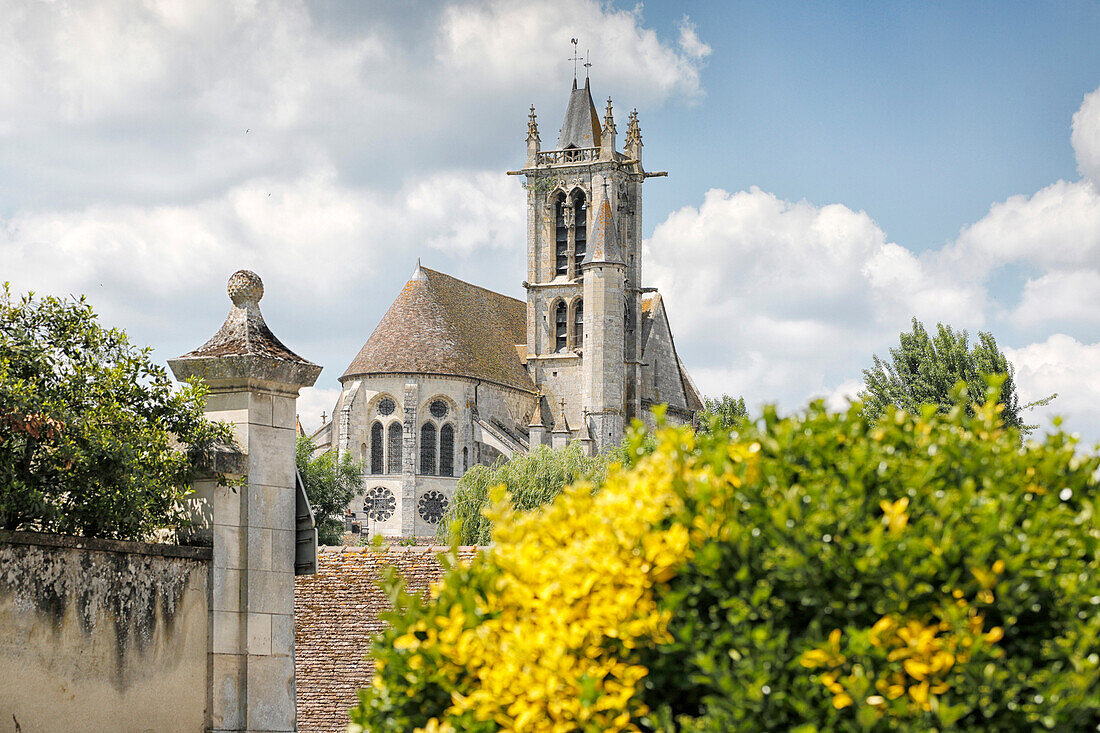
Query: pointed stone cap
pixel 542 411
pixel 561 425
pixel 603 245
pixel 244 350
pixel 581 128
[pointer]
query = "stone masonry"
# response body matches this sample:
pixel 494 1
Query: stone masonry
pixel 253 381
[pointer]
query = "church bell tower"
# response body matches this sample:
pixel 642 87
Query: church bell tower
pixel 584 266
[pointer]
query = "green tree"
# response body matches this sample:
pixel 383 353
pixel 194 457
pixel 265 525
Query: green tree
pixel 723 413
pixel 90 428
pixel 926 370
pixel 330 484
pixel 533 480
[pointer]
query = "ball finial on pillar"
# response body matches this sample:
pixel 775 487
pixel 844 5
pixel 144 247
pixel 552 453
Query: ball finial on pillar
pixel 245 288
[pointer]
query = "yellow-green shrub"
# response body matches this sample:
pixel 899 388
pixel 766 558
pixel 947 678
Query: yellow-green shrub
pixel 814 572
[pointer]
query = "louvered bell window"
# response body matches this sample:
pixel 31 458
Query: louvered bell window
pixel 578 324
pixel 561 238
pixel 561 327
pixel 580 237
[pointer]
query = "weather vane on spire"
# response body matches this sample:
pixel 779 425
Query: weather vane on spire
pixel 575 58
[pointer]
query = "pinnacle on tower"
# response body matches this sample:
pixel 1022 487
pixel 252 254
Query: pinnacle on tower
pixel 532 127
pixel 608 120
pixel 633 146
pixel 633 131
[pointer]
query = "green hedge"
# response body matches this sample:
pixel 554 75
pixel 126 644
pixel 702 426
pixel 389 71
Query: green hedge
pixel 814 572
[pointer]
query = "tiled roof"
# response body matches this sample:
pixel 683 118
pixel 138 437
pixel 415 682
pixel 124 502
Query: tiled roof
pixel 650 304
pixel 335 617
pixel 442 325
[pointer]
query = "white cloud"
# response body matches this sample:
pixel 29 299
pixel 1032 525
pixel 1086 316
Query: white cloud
pixel 1060 296
pixel 154 102
pixel 782 300
pixel 1086 136
pixel 1065 366
pixel 690 42
pixel 506 43
pixel 330 249
pixel 1056 227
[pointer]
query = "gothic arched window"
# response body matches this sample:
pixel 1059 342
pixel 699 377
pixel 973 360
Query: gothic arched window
pixel 396 434
pixel 561 327
pixel 561 238
pixel 377 460
pixel 447 450
pixel 580 234
pixel 578 323
pixel 427 449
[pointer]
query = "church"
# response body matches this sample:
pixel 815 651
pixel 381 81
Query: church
pixel 456 375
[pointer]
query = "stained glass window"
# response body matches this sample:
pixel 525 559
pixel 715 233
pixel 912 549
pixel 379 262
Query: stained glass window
pixel 447 450
pixel 427 449
pixel 376 458
pixel 394 441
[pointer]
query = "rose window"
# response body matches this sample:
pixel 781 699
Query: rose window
pixel 432 505
pixel 438 408
pixel 379 503
pixel 386 407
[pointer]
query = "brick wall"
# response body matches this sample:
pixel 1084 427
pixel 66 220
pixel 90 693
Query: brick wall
pixel 336 616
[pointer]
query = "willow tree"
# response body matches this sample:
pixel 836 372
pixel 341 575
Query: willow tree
pixel 928 369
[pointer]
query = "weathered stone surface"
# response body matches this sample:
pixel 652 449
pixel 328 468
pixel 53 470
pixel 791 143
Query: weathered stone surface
pixel 102 635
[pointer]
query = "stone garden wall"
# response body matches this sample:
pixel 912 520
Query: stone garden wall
pixel 336 615
pixel 99 635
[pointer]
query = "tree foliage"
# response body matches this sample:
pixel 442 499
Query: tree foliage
pixel 90 428
pixel 722 413
pixel 926 370
pixel 818 572
pixel 330 484
pixel 533 480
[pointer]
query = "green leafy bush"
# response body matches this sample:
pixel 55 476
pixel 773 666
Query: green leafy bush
pixel 815 572
pixel 90 428
pixel 533 480
pixel 330 484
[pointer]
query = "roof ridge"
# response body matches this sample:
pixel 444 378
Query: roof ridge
pixel 472 285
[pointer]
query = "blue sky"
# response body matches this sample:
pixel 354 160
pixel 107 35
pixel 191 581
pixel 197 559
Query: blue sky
pixel 835 169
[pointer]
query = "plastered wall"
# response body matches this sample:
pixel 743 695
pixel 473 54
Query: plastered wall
pixel 98 635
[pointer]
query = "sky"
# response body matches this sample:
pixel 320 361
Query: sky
pixel 835 169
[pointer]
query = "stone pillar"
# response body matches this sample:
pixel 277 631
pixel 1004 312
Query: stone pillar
pixel 406 503
pixel 253 381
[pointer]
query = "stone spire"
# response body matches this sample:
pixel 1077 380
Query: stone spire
pixel 633 146
pixel 604 245
pixel 607 148
pixel 581 128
